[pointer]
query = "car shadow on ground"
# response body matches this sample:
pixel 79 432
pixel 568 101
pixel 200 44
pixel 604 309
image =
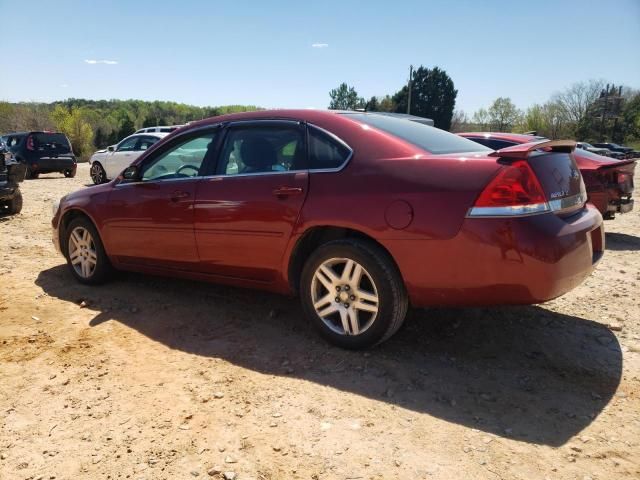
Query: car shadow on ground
pixel 621 241
pixel 524 373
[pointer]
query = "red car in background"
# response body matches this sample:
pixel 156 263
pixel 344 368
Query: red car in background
pixel 609 182
pixel 360 214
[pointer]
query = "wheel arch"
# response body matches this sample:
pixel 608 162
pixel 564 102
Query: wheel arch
pixel 66 219
pixel 317 236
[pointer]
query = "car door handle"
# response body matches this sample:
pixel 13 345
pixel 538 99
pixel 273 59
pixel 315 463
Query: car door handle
pixel 282 192
pixel 179 195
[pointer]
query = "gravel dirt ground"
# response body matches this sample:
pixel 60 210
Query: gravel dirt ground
pixel 157 378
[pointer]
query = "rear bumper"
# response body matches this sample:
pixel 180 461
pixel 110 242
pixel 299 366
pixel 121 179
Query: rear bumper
pixel 49 164
pixel 496 261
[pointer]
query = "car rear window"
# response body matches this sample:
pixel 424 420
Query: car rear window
pixel 431 139
pixel 51 140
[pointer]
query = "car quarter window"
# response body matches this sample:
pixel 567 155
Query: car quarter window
pixel 261 149
pixel 182 159
pixel 128 144
pixel 325 152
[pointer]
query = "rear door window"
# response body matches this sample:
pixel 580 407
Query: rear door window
pixel 261 149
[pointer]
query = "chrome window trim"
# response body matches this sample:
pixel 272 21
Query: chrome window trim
pixel 124 183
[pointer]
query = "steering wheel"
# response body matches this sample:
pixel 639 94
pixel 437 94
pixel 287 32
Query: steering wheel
pixel 187 166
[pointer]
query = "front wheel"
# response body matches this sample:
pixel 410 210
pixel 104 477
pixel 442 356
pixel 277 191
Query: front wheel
pixel 31 175
pixel 353 294
pixel 69 173
pixel 85 253
pixel 98 175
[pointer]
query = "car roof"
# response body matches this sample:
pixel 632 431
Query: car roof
pixel 147 134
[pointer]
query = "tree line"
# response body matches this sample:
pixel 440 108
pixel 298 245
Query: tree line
pixel 91 124
pixel 591 111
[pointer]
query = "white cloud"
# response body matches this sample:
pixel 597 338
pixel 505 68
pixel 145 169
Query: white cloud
pixel 105 62
pixel 319 45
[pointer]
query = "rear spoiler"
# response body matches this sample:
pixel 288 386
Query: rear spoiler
pixel 523 150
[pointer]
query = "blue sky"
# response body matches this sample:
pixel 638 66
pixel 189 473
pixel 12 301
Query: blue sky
pixel 263 53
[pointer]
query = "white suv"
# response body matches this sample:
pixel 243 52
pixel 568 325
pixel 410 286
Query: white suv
pixel 107 164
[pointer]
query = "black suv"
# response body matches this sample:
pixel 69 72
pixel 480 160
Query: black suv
pixel 11 173
pixel 42 152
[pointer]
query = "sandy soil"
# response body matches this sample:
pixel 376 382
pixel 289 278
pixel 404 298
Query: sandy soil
pixel 152 378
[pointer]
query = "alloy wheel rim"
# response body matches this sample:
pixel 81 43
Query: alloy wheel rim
pixel 344 296
pixel 82 252
pixel 96 173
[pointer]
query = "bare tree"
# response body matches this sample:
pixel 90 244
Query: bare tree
pixel 576 99
pixel 481 118
pixel 459 121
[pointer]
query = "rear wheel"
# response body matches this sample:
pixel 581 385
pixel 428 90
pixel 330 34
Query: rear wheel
pixel 98 175
pixel 85 253
pixel 31 174
pixel 353 293
pixel 69 173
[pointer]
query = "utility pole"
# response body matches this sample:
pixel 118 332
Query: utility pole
pixel 410 82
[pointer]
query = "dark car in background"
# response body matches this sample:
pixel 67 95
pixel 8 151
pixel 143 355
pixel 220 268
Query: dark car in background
pixel 42 152
pixel 11 174
pixel 609 182
pixel 628 152
pixel 590 148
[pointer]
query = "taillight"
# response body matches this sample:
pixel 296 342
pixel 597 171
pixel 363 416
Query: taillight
pixel 30 145
pixel 623 178
pixel 515 190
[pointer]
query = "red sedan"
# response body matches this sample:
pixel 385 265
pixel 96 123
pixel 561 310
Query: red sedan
pixel 358 213
pixel 609 182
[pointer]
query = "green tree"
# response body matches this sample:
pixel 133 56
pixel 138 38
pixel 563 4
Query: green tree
pixel 432 96
pixel 503 114
pixel 373 105
pixel 386 104
pixel 77 129
pixel 126 127
pixel 631 118
pixel 345 98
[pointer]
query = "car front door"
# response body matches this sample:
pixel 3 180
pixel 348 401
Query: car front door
pixel 122 157
pixel 150 219
pixel 246 209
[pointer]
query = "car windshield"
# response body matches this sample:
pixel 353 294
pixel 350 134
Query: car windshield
pixel 592 155
pixel 431 139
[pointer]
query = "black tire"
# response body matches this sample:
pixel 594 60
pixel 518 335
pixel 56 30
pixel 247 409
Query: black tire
pixel 31 175
pixel 69 173
pixel 392 295
pixel 103 269
pixel 14 206
pixel 97 173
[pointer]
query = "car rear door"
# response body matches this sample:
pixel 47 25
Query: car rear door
pixel 246 209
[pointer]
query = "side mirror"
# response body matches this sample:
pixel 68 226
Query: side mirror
pixel 131 173
pixel 111 148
